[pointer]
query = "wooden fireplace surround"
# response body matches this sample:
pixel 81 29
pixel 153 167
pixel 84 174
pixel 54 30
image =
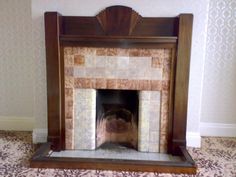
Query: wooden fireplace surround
pixel 117 26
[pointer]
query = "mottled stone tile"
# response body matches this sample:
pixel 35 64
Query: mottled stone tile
pixel 69 71
pixel 88 51
pixel 145 53
pixel 145 74
pixel 68 93
pixel 139 62
pixel 154 136
pixel 157 62
pixel 68 51
pixel 154 125
pixel 101 61
pixel 148 122
pixel 156 74
pixel 156 85
pixel 69 141
pixel 79 72
pixel 111 52
pixel 154 147
pixel 111 84
pixel 122 73
pixel 164 101
pixel 92 73
pixel 84 83
pixel 85 119
pixel 145 95
pixel 164 122
pixel 155 96
pixel 122 52
pixel 75 50
pixel 163 142
pixel 101 52
pixel 69 60
pixel 157 52
pixel 134 85
pixel 144 85
pixel 122 62
pixel 165 85
pixel 111 73
pixel 90 61
pixel 134 52
pixel 166 74
pixel 69 82
pixel 111 62
pixel 126 84
pixel 69 124
pixel 133 73
pixel 101 83
pixel 79 60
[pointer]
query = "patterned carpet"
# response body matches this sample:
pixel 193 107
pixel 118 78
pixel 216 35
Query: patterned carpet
pixel 217 157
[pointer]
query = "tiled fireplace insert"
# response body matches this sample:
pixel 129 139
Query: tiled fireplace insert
pixel 88 70
pixel 117 78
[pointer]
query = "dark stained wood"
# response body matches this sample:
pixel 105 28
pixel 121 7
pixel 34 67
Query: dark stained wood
pixel 82 26
pixel 133 31
pixel 171 100
pixel 52 32
pixel 156 27
pixel 119 41
pixel 181 83
pixel 44 160
pixel 118 20
pixel 62 96
pixel 90 26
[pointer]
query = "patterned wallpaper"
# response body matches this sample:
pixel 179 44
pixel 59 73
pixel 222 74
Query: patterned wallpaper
pixel 219 86
pixel 16 62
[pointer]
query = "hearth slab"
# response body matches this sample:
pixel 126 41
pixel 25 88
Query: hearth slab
pixel 117 154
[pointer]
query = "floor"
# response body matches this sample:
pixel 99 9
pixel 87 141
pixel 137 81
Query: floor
pixel 217 157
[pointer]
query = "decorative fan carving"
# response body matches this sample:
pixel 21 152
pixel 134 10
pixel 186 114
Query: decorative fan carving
pixel 118 20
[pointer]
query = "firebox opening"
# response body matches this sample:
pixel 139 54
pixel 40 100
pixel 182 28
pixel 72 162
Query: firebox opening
pixel 117 118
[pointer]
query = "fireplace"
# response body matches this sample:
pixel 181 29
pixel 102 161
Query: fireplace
pixel 117 118
pixel 117 79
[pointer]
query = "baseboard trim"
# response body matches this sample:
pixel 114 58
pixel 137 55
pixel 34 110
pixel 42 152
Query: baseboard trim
pixel 193 139
pixel 217 129
pixel 40 135
pixel 16 123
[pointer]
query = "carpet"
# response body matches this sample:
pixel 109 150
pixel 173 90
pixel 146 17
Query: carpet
pixel 217 157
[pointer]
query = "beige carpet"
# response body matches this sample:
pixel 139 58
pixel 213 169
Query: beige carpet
pixel 217 157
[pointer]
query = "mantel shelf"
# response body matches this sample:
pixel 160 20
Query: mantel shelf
pixel 120 39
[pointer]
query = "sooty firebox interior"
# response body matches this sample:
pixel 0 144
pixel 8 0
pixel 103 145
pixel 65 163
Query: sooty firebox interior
pixel 117 118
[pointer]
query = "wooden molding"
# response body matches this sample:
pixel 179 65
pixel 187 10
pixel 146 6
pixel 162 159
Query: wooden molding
pixel 118 20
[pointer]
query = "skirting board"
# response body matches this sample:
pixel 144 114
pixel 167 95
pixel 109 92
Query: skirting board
pixel 16 123
pixel 40 135
pixel 193 139
pixel 217 129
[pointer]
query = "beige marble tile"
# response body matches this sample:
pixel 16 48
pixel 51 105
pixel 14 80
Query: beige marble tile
pixel 85 119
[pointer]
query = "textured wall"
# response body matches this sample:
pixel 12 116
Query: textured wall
pixel 152 8
pixel 219 88
pixel 16 63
